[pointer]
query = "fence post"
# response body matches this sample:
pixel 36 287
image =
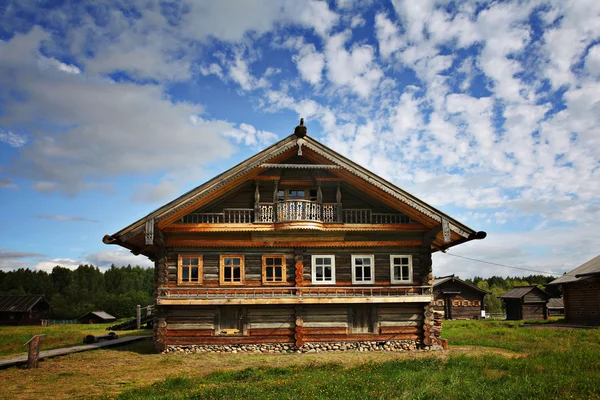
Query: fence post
pixel 33 355
pixel 138 317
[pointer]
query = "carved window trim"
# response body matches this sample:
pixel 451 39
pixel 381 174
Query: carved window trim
pixel 314 267
pixel 476 303
pixel 393 265
pixel 181 267
pixel 265 277
pixel 371 259
pixel 222 266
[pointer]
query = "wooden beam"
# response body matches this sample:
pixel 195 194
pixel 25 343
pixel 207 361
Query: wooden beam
pixel 165 301
pixel 266 227
pixel 178 242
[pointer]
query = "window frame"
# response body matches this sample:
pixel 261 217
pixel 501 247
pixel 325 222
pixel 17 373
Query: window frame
pixel 313 268
pixel 410 269
pixel 180 258
pixel 363 282
pixel 264 269
pixel 222 269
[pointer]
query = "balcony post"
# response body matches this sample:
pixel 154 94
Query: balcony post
pixel 256 204
pixel 275 197
pixel 338 199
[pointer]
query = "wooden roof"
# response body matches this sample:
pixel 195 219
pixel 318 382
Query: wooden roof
pixel 520 291
pixel 584 271
pixel 556 302
pixel 20 303
pixel 318 153
pixel 452 278
pixel 100 314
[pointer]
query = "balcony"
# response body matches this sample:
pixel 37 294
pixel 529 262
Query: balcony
pixel 294 295
pixel 296 210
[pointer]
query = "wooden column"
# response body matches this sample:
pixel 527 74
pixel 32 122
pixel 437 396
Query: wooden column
pixel 138 317
pixel 275 197
pixel 161 279
pixel 33 355
pixel 299 327
pixel 256 205
pixel 338 199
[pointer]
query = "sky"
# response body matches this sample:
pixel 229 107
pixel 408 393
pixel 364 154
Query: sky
pixel 489 111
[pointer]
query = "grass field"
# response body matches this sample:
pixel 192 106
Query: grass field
pixel 486 360
pixel 13 338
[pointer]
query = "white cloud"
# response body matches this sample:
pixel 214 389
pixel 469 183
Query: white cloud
pixel 13 139
pixel 310 63
pixel 592 61
pixel 49 265
pixel 250 136
pixel 356 68
pixel 388 36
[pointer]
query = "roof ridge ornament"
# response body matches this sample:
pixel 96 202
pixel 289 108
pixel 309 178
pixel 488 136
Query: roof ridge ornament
pixel 300 130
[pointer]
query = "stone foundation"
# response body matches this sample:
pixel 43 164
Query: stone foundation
pixel 392 345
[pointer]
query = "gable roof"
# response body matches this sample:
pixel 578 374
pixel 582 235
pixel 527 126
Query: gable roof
pixel 520 292
pixel 556 302
pixel 310 148
pixel 99 314
pixel 451 278
pixel 584 271
pixel 20 303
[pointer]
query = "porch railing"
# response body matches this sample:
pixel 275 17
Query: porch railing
pixel 291 292
pixel 295 210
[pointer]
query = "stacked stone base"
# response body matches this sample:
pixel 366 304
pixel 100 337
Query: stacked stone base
pixel 392 345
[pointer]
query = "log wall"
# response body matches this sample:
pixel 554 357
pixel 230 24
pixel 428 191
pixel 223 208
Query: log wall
pixel 582 301
pixel 200 325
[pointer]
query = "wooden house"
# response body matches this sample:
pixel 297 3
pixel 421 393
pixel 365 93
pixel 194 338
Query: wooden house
pixel 295 245
pixel 556 307
pixel 23 309
pixel 525 302
pixel 96 317
pixel 581 292
pixel 458 299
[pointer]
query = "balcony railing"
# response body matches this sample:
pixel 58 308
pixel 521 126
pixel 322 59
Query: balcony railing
pixel 292 292
pixel 296 210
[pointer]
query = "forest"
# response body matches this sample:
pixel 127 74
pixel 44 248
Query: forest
pixel 498 285
pixel 118 290
pixel 72 293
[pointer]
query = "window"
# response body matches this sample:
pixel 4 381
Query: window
pixel 273 269
pixel 476 303
pixel 323 269
pixel 232 269
pixel 189 270
pixel 294 194
pixel 362 269
pixel 401 268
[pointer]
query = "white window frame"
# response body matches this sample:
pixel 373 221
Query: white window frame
pixel 410 269
pixel 363 282
pixel 313 267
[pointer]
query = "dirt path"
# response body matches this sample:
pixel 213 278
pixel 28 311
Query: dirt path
pixel 108 372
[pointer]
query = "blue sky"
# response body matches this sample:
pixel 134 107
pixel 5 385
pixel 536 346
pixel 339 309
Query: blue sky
pixel 489 111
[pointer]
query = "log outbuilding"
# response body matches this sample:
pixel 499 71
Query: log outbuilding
pixel 96 317
pixel 295 245
pixel 458 299
pixel 581 292
pixel 526 302
pixel 23 309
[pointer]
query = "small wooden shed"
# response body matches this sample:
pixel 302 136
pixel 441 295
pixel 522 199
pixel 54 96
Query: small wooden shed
pixel 581 292
pixel 556 306
pixel 23 309
pixel 458 299
pixel 526 302
pixel 96 317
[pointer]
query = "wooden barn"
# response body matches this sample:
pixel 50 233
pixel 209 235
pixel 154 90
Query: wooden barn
pixel 458 299
pixel 96 317
pixel 295 245
pixel 556 307
pixel 581 292
pixel 525 302
pixel 23 309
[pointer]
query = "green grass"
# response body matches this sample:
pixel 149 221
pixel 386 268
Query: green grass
pixel 540 363
pixel 13 338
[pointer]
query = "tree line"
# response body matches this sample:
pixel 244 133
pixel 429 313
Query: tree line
pixel 498 285
pixel 72 293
